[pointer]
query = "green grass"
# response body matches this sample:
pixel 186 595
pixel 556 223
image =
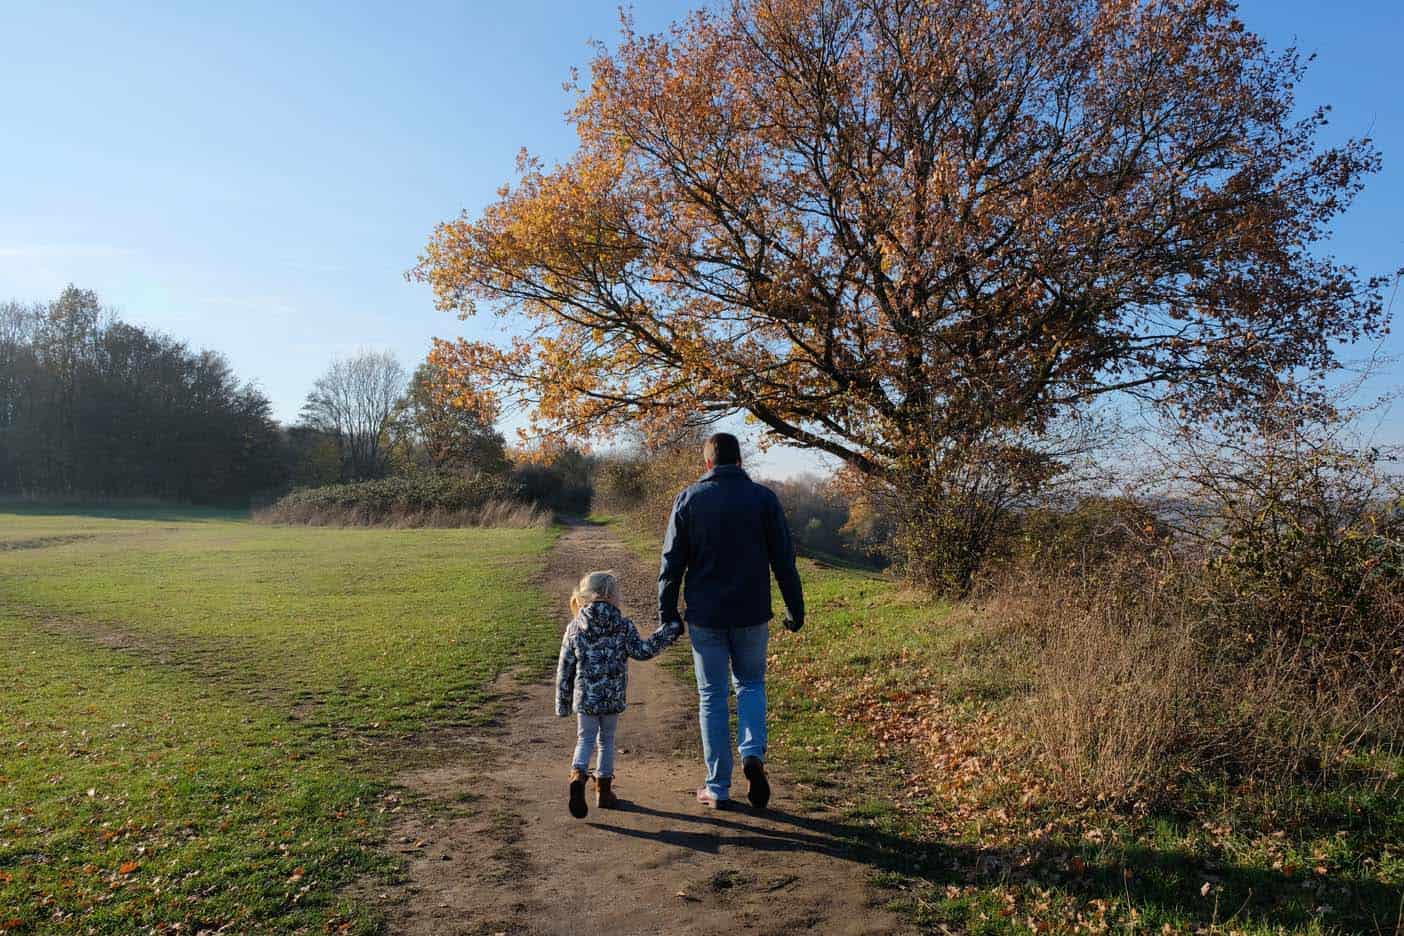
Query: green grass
pixel 202 715
pixel 24 525
pixel 902 712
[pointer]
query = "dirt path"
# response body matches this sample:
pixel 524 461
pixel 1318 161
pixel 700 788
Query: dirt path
pixel 514 861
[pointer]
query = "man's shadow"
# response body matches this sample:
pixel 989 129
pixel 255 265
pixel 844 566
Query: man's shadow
pixel 776 830
pixel 1168 880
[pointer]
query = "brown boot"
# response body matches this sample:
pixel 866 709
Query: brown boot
pixel 759 794
pixel 578 808
pixel 604 796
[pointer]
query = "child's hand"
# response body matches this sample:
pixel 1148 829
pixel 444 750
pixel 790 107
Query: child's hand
pixel 672 632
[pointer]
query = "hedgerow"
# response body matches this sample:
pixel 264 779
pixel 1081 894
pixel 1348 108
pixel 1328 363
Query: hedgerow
pixel 430 500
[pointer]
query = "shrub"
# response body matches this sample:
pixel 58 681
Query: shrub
pixel 621 483
pixel 950 525
pixel 1303 574
pixel 1095 530
pixel 1307 551
pixel 641 484
pixel 943 539
pixel 564 484
pixel 429 500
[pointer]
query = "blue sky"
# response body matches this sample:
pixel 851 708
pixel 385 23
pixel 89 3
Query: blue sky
pixel 256 177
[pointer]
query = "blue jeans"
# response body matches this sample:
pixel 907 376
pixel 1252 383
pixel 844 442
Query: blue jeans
pixel 723 658
pixel 590 728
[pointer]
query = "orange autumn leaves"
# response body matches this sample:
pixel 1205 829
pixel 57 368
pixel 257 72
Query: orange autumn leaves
pixel 895 232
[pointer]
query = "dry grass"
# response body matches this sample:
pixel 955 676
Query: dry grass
pixel 494 513
pixel 1135 683
pixel 1111 673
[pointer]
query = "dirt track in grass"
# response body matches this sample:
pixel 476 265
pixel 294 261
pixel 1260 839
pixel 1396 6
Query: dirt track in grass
pixel 492 849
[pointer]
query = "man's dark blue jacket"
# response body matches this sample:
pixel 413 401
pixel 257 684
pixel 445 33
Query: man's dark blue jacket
pixel 726 535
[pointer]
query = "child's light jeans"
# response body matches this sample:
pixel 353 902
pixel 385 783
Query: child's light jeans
pixel 591 728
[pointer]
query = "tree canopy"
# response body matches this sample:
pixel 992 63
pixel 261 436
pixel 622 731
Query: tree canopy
pixel 899 232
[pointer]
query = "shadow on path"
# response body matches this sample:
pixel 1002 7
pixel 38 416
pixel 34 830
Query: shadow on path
pixel 1164 882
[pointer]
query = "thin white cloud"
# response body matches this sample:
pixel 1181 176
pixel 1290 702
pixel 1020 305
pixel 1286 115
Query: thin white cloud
pixel 299 266
pixel 63 251
pixel 254 303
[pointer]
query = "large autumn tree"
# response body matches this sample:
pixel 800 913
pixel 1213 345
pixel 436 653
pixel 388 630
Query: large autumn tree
pixel 913 233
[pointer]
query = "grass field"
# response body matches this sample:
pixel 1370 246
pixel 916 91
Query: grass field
pixel 904 713
pixel 201 714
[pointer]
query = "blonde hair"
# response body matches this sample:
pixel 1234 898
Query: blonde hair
pixel 594 586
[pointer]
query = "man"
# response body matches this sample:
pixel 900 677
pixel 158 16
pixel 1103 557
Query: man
pixel 726 535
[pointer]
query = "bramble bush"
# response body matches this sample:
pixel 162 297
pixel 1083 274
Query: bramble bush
pixel 1086 535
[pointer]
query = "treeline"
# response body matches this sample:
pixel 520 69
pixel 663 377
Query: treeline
pixel 93 406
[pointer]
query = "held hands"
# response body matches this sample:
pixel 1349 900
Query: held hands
pixel 792 625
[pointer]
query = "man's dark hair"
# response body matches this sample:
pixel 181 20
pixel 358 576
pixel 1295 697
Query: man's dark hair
pixel 722 448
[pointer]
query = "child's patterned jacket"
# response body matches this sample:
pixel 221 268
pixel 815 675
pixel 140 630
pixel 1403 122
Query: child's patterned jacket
pixel 593 673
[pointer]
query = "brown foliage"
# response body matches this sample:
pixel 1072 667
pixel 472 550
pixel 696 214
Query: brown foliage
pixel 441 425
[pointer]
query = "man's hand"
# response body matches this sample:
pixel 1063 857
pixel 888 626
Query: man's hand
pixel 792 625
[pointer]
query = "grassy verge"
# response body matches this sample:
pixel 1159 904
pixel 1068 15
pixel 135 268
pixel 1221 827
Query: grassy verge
pixel 905 716
pixel 203 716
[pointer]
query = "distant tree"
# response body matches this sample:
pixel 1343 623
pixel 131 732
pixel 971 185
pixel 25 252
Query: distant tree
pixel 355 402
pixel 313 456
pixel 433 427
pixel 91 405
pixel 21 380
pixel 819 514
pixel 917 236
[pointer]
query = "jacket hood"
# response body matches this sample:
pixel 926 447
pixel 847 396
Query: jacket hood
pixel 599 616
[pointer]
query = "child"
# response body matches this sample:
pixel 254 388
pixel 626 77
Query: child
pixel 592 677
